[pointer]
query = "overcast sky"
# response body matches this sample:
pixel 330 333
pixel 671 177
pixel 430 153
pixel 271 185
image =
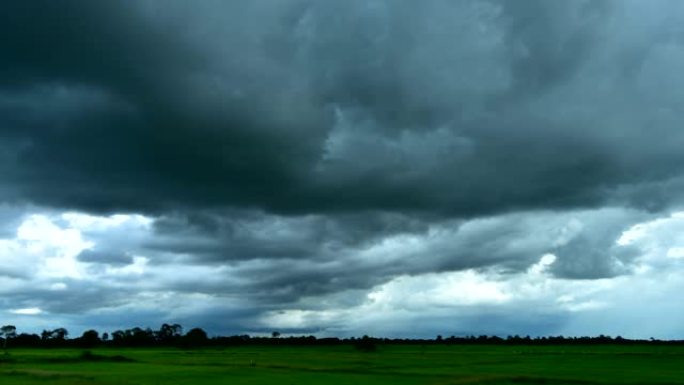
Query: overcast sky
pixel 397 168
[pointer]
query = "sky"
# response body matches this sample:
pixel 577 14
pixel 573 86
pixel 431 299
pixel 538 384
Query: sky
pixel 396 168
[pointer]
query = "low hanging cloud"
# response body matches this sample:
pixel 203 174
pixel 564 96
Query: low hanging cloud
pixel 296 163
pixel 468 270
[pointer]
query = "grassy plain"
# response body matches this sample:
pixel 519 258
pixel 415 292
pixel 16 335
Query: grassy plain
pixel 397 365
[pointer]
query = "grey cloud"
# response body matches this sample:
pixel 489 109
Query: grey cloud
pixel 594 251
pixel 243 235
pixel 76 297
pixel 283 260
pixel 10 217
pixel 105 257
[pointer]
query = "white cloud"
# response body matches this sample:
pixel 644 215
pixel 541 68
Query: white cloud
pixel 661 241
pixel 58 286
pixel 53 246
pixel 93 223
pixel 27 311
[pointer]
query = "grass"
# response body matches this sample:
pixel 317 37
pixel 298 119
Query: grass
pixel 397 365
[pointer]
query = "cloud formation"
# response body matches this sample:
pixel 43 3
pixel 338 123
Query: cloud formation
pixel 282 163
pixel 472 108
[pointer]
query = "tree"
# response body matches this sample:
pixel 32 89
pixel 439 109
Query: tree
pixel 365 344
pixel 118 336
pixel 89 339
pixel 275 334
pixel 59 334
pixel 195 337
pixel 54 337
pixel 27 340
pixel 139 337
pixel 169 333
pixel 7 332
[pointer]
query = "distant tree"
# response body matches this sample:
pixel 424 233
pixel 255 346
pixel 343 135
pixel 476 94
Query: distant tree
pixel 7 332
pixel 105 336
pixel 55 337
pixel 195 337
pixel 118 336
pixel 169 333
pixel 275 334
pixel 27 340
pixel 365 344
pixel 89 339
pixel 139 337
pixel 59 334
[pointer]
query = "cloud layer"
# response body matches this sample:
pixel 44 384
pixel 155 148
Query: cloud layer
pixel 449 108
pixel 296 164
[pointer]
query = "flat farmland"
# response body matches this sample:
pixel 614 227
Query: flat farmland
pixel 390 364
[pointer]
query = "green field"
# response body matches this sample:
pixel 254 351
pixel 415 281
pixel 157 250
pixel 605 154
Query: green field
pixel 344 365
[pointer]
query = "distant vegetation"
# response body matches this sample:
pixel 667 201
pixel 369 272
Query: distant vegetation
pixel 171 335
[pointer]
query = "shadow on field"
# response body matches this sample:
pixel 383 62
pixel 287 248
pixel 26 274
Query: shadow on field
pixel 86 356
pixel 521 380
pixel 90 356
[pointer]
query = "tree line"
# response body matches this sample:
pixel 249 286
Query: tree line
pixel 167 335
pixel 172 335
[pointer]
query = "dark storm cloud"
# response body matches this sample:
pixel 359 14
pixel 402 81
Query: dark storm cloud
pixel 243 235
pixel 99 113
pixel 456 108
